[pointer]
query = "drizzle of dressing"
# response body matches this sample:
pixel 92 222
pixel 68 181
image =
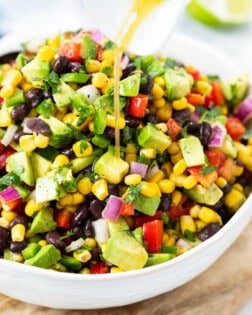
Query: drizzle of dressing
pixel 139 10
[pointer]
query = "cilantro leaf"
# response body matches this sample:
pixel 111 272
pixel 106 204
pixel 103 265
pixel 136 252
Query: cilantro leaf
pixel 132 193
pixel 207 170
pixel 9 179
pixel 189 235
pixel 45 108
pixel 52 81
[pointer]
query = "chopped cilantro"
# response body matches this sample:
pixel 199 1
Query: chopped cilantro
pixel 169 249
pixel 109 45
pixel 189 235
pixel 52 81
pixel 207 170
pixel 9 179
pixel 68 234
pixel 83 145
pixel 45 108
pixel 132 193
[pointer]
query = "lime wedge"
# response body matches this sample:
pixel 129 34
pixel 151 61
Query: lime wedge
pixel 218 13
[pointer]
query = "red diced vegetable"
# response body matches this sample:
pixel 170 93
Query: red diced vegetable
pixel 141 219
pixel 126 209
pixel 215 157
pixel 217 95
pixel 152 235
pixel 137 105
pixel 4 153
pixel 183 208
pixel 205 180
pixel 226 169
pixel 71 50
pixel 174 128
pixel 99 267
pixel 195 99
pixel 63 219
pixel 235 128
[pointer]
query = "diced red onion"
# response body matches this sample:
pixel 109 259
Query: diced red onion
pixel 218 135
pixel 8 136
pixel 97 36
pixel 138 168
pixel 152 170
pixel 101 230
pixel 112 208
pixel 244 110
pixel 9 194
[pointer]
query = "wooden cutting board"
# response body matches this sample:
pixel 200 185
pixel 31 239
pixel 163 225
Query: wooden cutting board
pixel 222 290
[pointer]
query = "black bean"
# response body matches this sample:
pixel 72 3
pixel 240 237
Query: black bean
pixel 208 231
pixel 165 202
pixel 16 247
pixel 181 115
pixel 127 71
pixel 113 189
pixel 69 152
pixel 218 205
pixel 89 229
pixel 80 215
pixel 47 94
pixel 34 96
pixel 132 121
pixel 151 119
pixel 75 66
pixel 193 128
pixel 96 252
pixel 78 232
pixel 96 207
pixel 4 236
pixel 225 214
pixel 146 84
pixel 53 237
pixel 61 65
pixel 20 219
pixel 227 188
pixel 19 112
pixel 109 132
pixel 205 133
pixel 18 134
pixel 38 125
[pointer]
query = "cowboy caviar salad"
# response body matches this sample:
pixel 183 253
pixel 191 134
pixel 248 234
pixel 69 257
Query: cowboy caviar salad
pixel 69 203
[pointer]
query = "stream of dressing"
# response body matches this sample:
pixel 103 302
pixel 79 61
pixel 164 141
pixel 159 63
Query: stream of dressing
pixel 139 10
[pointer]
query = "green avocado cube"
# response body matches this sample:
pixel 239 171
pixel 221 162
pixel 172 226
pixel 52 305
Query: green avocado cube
pixel 130 86
pixel 208 196
pixel 43 221
pixel 36 71
pixel 192 151
pixel 45 257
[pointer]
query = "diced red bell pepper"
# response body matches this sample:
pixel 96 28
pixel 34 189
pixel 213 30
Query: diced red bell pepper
pixel 141 219
pixel 15 205
pixel 195 99
pixel 137 105
pixel 174 128
pixel 235 128
pixel 71 50
pixel 215 157
pixel 99 267
pixel 204 180
pixel 183 208
pixel 4 153
pixel 152 235
pixel 194 73
pixel 217 95
pixel 63 218
pixel 226 169
pixel 127 209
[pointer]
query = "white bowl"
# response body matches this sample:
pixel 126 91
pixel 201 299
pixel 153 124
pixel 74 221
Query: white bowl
pixel 77 291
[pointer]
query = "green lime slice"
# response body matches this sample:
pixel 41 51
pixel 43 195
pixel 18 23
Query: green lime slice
pixel 218 13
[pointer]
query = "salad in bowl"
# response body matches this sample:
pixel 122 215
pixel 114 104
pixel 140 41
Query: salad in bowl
pixel 70 204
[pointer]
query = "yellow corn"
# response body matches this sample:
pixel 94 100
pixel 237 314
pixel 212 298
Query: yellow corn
pixel 160 81
pixel 8 215
pixel 150 189
pixel 90 242
pixel 176 197
pixel 5 118
pixel 180 167
pixel 234 199
pixel 116 270
pixel 180 104
pixel 82 255
pixel 4 223
pixel 69 118
pixel 108 55
pixel 131 148
pixel 100 189
pixel 71 209
pixel 27 143
pixel 199 225
pixel 166 186
pixel 156 91
pixel 12 78
pixel 191 107
pixel 6 91
pixel 60 160
pixel 32 207
pixel 130 157
pixel 238 187
pixel 203 87
pixel 187 223
pixel 82 148
pixel 159 102
pixel 176 157
pixel 85 271
pixel 194 211
pixel 189 182
pixel 92 65
pixel 178 179
pixel 45 53
pixel 85 186
pixel 167 168
pixel 164 113
pixel 149 153
pixel 78 198
pixel 237 170
pixel 111 122
pixel 99 80
pixel 18 232
pixel 25 85
pixel 132 179
pixel 221 182
pixel 42 243
pixel 107 67
pixel 162 126
pixel 173 148
pixel 54 42
pixel 157 177
pixel 41 141
pixel 207 215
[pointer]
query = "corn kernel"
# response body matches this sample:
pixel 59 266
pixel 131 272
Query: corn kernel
pixel 5 118
pixel 18 232
pixel 69 118
pixel 180 104
pixel 41 141
pixel 100 189
pixel 60 160
pixel 8 215
pixel 132 179
pixel 187 223
pixel 32 207
pixel 157 177
pixel 203 87
pixel 176 157
pixel 111 122
pixel 130 157
pixel 178 179
pixel 54 42
pixel 26 86
pixel 173 148
pixel 234 199
pixel 159 102
pixel 238 187
pixel 92 65
pixel 42 243
pixel 199 225
pixel 207 215
pixel 85 271
pixel 167 168
pixel 6 91
pixel 99 80
pixel 160 81
pixel 179 167
pixel 27 143
pixel 108 55
pixel 237 170
pixel 77 198
pixel 157 92
pixel 82 148
pixel 150 189
pixel 131 148
pixel 164 113
pixel 116 270
pixel 83 255
pixel 166 186
pixel 66 200
pixel 148 153
pixel 90 242
pixel 221 182
pixel 85 186
pixel 71 209
pixel 194 211
pixel 4 223
pixel 189 182
pixel 191 107
pixel 12 78
pixel 45 53
pixel 176 197
pixel 162 126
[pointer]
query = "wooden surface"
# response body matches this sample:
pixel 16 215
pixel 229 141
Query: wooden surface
pixel 222 290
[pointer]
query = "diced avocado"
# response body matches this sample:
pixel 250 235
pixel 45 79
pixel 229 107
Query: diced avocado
pixel 75 77
pixel 124 251
pixel 152 66
pixel 79 164
pixel 36 71
pixel 111 167
pixel 20 164
pixel 178 83
pixel 130 85
pixel 49 153
pixel 30 250
pixel 70 263
pixel 208 196
pixel 192 151
pixel 229 147
pixel 48 189
pixel 45 257
pixel 43 221
pixel 40 165
pixel 118 225
pixel 63 95
pixel 15 99
pixel 138 234
pixel 23 191
pixel 9 255
pixel 88 47
pixel 155 259
pixel 150 137
pixel 146 205
pixel 61 135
